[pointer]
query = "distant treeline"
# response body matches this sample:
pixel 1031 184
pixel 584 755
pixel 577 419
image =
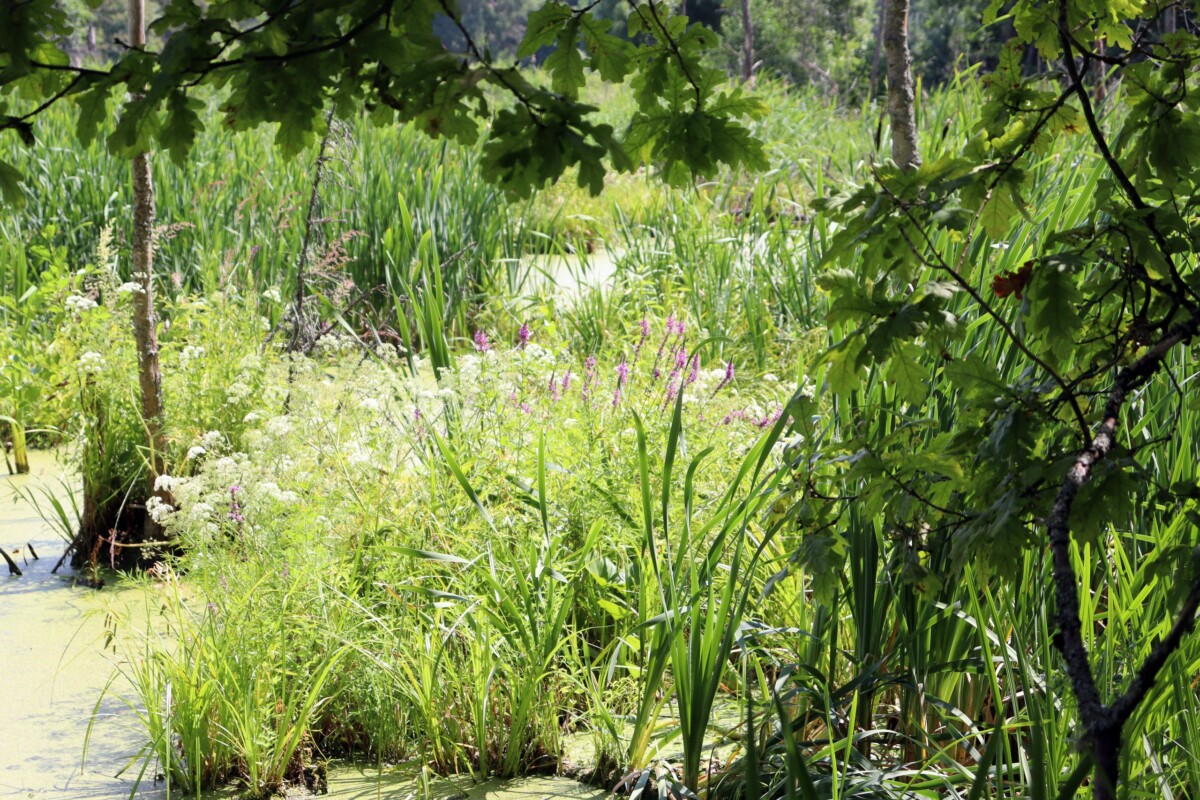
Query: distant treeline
pixel 832 44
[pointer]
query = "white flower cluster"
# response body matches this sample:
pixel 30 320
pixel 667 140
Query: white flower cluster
pixel 91 362
pixel 189 355
pixel 236 392
pixel 77 304
pixel 158 510
pixel 271 490
pixel 129 287
pixel 278 427
pixel 337 344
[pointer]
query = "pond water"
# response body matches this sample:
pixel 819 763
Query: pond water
pixel 54 665
pixel 569 275
pixel 57 657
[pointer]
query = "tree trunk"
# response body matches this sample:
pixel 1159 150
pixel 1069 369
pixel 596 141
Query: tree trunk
pixel 144 320
pixel 747 43
pixel 879 21
pixel 1101 73
pixel 901 100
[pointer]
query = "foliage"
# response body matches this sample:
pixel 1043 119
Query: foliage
pixel 825 43
pixel 1104 291
pixel 369 54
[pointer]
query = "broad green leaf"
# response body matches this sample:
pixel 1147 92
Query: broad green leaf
pixel 907 371
pixel 10 185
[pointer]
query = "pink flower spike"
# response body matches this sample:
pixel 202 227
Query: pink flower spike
pixel 622 373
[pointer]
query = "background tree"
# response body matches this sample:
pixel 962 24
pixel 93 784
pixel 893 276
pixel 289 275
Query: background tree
pixel 901 102
pixel 809 42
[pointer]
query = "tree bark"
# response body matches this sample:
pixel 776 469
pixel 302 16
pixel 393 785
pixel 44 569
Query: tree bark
pixel 144 319
pixel 901 98
pixel 747 43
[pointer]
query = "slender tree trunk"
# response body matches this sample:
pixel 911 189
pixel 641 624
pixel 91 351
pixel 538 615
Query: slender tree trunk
pixel 1101 73
pixel 879 21
pixel 747 43
pixel 144 320
pixel 901 98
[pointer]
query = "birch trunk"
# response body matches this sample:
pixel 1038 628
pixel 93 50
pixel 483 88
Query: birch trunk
pixel 747 43
pixel 901 98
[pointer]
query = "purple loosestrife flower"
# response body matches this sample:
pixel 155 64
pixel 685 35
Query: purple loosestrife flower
pixel 566 380
pixel 645 327
pixel 235 508
pixel 523 335
pixel 622 376
pixel 694 372
pixel 770 419
pixel 680 363
pixel 553 389
pixel 589 378
pixel 482 344
pixel 728 379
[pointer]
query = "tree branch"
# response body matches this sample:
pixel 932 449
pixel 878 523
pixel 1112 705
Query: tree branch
pixel 1130 191
pixel 1104 723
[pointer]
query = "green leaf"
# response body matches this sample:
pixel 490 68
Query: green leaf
pixel 907 372
pixel 844 373
pixel 544 27
pixel 93 110
pixel 565 64
pixel 998 214
pixel 1104 500
pixel 182 122
pixel 10 185
pixel 612 57
pixel 1053 298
